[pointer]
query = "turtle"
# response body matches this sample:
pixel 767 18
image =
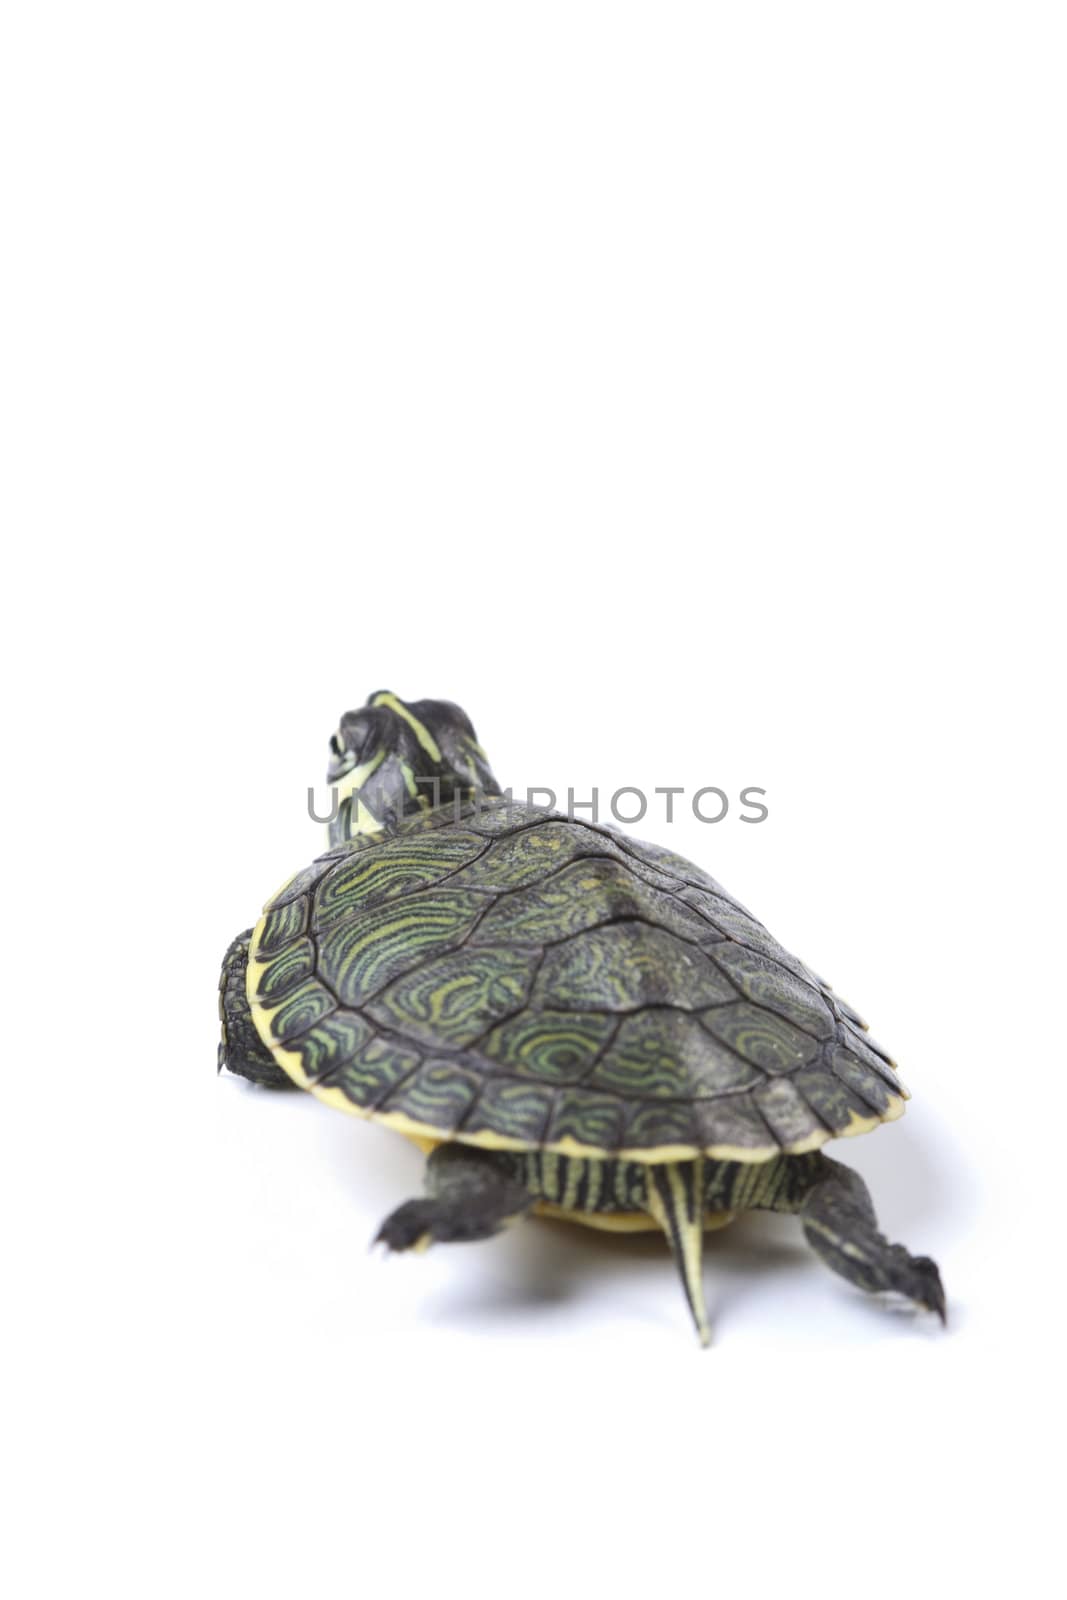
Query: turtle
pixel 567 1021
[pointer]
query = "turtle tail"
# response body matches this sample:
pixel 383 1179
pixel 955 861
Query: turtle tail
pixel 676 1200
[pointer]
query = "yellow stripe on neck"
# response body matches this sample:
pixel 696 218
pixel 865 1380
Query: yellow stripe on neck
pixel 422 733
pixel 357 777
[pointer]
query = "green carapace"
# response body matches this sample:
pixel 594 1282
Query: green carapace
pixel 569 1022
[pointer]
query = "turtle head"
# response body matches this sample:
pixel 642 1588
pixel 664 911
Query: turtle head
pixel 393 758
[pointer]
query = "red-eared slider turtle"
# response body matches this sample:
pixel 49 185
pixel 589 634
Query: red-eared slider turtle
pixel 568 1021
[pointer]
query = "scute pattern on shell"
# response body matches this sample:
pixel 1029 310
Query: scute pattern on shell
pixel 506 976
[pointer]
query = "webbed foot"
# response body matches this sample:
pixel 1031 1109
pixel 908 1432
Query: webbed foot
pixel 473 1195
pixel 841 1226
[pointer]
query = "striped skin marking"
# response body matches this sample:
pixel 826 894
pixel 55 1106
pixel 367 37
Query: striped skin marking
pixel 575 1182
pixel 557 1176
pixel 593 1185
pixel 358 776
pixel 354 817
pixel 749 1184
pixel 414 745
pixel 420 730
pixel 675 1199
pixel 613 1195
pixel 411 786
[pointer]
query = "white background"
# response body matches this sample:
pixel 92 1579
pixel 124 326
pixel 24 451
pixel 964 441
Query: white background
pixel 680 389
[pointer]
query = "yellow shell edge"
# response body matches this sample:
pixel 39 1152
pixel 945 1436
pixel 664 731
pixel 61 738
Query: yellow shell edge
pixel 427 1136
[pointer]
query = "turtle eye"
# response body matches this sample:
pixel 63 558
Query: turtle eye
pixel 337 744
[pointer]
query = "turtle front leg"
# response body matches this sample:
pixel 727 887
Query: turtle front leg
pixel 840 1225
pixel 241 1050
pixel 472 1194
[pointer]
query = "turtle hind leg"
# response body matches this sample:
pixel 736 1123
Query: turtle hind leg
pixel 840 1225
pixel 471 1194
pixel 241 1050
pixel 675 1198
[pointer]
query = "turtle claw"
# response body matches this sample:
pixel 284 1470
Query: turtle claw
pixel 840 1225
pixel 409 1227
pixel 929 1292
pixel 915 1277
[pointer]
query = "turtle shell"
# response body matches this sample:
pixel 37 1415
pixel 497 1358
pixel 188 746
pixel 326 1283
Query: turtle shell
pixel 508 977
